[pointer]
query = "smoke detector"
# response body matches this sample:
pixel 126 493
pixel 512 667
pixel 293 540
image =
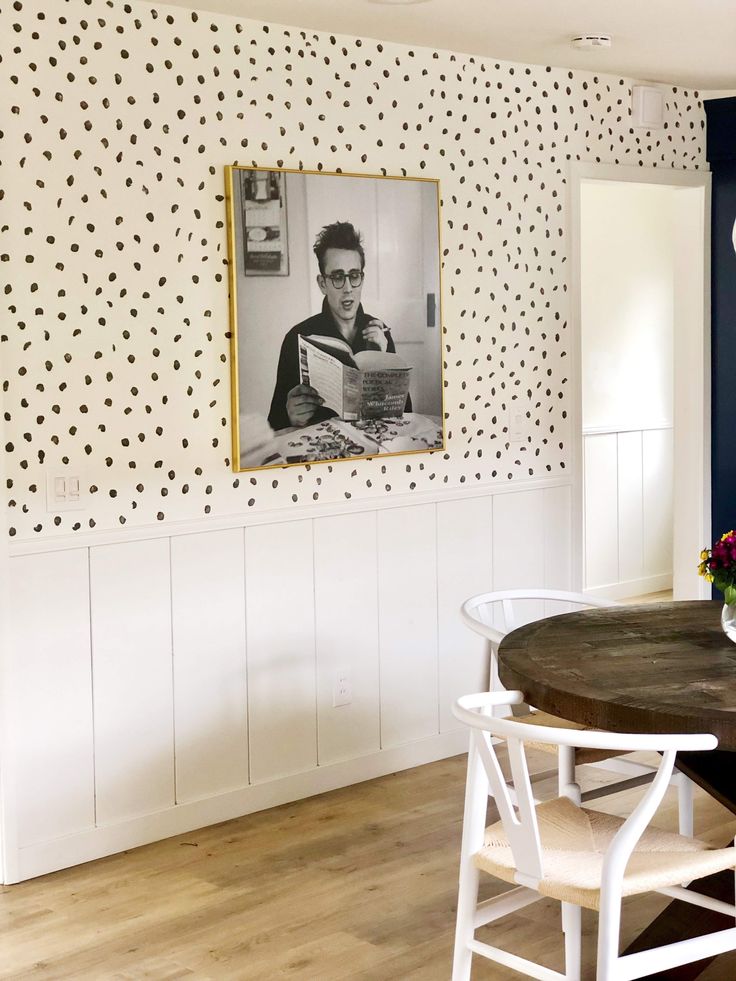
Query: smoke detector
pixel 585 41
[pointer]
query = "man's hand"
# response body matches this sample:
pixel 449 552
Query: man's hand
pixel 301 404
pixel 374 335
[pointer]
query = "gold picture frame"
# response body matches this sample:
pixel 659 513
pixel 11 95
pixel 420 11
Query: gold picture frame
pixel 316 375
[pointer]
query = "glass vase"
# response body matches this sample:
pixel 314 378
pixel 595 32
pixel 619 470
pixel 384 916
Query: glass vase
pixel 728 620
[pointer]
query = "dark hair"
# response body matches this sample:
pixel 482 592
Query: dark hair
pixel 338 235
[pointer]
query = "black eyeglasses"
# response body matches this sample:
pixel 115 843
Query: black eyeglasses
pixel 338 277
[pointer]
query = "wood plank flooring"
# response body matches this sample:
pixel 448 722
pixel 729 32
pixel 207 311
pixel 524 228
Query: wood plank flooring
pixel 356 884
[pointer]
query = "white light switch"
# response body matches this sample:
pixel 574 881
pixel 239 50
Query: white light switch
pixel 64 493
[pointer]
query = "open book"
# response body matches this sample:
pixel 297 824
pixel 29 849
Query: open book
pixel 366 385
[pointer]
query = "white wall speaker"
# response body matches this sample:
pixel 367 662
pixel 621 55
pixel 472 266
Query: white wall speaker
pixel 647 107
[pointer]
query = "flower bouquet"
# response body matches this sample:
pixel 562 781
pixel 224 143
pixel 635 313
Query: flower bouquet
pixel 718 565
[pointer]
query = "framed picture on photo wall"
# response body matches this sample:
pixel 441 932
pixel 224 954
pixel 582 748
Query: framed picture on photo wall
pixel 335 310
pixel 264 223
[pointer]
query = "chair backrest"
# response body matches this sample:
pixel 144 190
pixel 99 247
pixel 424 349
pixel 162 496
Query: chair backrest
pixel 520 820
pixel 494 614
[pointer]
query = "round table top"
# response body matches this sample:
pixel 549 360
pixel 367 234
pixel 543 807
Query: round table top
pixel 664 667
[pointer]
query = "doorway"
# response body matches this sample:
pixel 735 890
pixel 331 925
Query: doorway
pixel 642 425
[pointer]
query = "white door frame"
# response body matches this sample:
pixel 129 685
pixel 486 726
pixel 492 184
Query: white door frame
pixel 8 829
pixel 699 504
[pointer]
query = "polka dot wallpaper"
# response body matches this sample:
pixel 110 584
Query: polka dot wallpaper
pixel 118 119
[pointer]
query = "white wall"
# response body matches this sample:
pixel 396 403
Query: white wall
pixel 691 459
pixel 627 249
pixel 628 512
pixel 160 683
pixel 627 291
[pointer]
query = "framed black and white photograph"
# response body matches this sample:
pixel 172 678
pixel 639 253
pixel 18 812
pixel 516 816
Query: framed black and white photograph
pixel 336 316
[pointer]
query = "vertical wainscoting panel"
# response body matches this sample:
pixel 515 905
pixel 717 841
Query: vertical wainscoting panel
pixel 630 506
pixel 210 701
pixel 658 503
pixel 519 546
pixel 282 700
pixel 464 568
pixel 346 618
pixel 50 694
pixel 407 603
pixel 132 676
pixel 557 521
pixel 601 510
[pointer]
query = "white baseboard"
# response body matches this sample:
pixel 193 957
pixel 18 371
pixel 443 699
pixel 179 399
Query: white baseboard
pixel 633 587
pixel 92 843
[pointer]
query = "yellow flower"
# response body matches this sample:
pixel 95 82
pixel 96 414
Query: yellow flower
pixel 704 555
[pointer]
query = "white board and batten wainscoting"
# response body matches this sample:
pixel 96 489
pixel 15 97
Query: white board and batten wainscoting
pixel 163 681
pixel 628 511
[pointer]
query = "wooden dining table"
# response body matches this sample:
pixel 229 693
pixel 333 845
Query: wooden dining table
pixel 664 667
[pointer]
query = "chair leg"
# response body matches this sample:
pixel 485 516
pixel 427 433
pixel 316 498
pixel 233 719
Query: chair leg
pixel 474 822
pixel 467 900
pixel 685 805
pixel 572 928
pixel 566 784
pixel 609 927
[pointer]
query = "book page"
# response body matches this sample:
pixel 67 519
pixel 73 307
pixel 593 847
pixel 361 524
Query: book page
pixel 322 372
pixel 338 384
pixel 335 346
pixel 352 391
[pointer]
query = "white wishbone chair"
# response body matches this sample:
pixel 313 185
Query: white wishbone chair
pixel 583 858
pixel 493 615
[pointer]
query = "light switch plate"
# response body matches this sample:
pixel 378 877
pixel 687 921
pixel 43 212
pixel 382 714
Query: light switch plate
pixel 64 492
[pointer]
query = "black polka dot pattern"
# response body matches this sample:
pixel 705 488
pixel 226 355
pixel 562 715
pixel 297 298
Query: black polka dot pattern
pixel 115 336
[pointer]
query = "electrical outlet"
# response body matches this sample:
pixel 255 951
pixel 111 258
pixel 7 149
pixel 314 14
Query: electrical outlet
pixel 342 691
pixel 516 424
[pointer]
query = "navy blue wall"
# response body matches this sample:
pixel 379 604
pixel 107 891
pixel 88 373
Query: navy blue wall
pixel 721 142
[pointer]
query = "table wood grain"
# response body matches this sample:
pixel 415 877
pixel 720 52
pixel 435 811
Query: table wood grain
pixel 665 667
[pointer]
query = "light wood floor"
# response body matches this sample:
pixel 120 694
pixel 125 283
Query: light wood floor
pixel 665 596
pixel 355 884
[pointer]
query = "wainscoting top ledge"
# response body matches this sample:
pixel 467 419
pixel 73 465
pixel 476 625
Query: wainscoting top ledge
pixel 88 539
pixel 610 430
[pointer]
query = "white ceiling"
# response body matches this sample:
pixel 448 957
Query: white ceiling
pixel 687 42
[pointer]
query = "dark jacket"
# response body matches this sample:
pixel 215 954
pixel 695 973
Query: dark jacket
pixel 287 374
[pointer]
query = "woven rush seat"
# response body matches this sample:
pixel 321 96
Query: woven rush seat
pixel 574 841
pixel 581 755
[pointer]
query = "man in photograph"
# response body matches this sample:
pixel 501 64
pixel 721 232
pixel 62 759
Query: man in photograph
pixel 341 261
